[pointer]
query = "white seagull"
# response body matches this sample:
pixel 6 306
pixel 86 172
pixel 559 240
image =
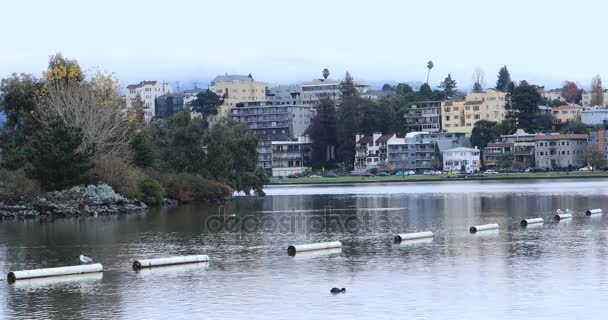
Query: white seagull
pixel 85 259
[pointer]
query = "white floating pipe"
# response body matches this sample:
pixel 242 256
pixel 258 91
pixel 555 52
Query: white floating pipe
pixel 291 250
pixel 526 222
pixel 414 235
pixel 560 211
pixel 563 216
pixel 570 211
pixel 53 272
pixel 593 211
pixel 149 263
pixel 483 227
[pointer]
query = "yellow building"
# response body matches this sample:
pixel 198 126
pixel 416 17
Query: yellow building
pixel 235 89
pixel 462 116
pixel 566 114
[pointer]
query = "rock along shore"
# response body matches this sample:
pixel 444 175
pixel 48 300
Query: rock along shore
pixel 78 201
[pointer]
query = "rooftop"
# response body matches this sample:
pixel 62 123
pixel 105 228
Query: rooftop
pixel 233 78
pixel 462 149
pixel 141 84
pixel 564 137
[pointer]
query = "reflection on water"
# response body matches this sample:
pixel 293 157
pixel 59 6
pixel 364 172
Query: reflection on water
pixel 512 273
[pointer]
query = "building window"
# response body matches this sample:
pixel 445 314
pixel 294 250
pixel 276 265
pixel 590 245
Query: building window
pixel 475 108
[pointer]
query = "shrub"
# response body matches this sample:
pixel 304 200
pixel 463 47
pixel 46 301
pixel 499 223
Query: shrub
pixel 186 187
pixel 151 192
pixel 119 174
pixel 14 184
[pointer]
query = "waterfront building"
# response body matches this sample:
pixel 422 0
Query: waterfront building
pixel 148 91
pixel 458 159
pixel 462 116
pixel 371 151
pixel 412 153
pixel 494 151
pixel 290 156
pixel 599 138
pixel 560 151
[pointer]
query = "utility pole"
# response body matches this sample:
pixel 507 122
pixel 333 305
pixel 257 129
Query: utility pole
pixel 195 84
pixel 177 86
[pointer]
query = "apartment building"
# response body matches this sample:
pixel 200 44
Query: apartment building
pixel 560 151
pixel 424 116
pixel 371 151
pixel 313 91
pixel 290 156
pixel 272 122
pixel 235 89
pixel 458 159
pixel 566 114
pixel 148 91
pixel 462 116
pixel 493 152
pixel 600 139
pixel 553 94
pixel 283 94
pixel 412 153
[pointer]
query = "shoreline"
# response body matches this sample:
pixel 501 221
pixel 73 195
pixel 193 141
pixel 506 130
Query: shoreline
pixel 414 179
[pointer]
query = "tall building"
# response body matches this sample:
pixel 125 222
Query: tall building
pixel 371 151
pixel 423 116
pixel 313 91
pixel 290 156
pixel 148 92
pixel 462 116
pixel 235 89
pixel 412 153
pixel 560 151
pixel 283 94
pixel 272 122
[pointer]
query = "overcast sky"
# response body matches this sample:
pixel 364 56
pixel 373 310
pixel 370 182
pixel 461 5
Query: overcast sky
pixel 282 41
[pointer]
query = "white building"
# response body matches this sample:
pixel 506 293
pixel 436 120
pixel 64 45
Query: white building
pixel 594 116
pixel 290 156
pixel 311 92
pixel 371 151
pixel 586 102
pixel 148 91
pixel 456 159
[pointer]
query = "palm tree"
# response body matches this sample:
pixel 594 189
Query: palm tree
pixel 429 65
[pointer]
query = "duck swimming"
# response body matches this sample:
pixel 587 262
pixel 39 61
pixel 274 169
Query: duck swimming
pixel 337 290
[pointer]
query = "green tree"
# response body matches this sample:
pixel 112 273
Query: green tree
pixel 504 79
pixel 179 142
pixel 404 89
pixel 429 65
pixel 477 88
pixel 143 150
pixel 18 103
pixel 448 86
pixel 425 92
pixel 325 73
pixel 387 87
pixel 525 101
pixel 593 156
pixel 323 132
pixel 575 127
pixel 350 115
pixel 505 161
pixel 54 158
pixel 206 103
pixel 232 157
pixel 347 87
pixel 484 132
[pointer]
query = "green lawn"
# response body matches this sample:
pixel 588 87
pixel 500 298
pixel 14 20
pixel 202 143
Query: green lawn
pixel 573 174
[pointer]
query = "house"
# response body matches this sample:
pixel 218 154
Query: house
pixel 566 114
pixel 560 151
pixel 594 117
pixel 494 151
pixel 148 91
pixel 371 151
pixel 461 159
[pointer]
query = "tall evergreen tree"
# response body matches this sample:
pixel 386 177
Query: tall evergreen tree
pixel 597 92
pixel 206 103
pixel 504 79
pixel 448 86
pixel 347 86
pixel 525 101
pixel 322 131
pixel 54 158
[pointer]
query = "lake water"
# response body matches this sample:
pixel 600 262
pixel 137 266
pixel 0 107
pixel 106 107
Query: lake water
pixel 553 271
